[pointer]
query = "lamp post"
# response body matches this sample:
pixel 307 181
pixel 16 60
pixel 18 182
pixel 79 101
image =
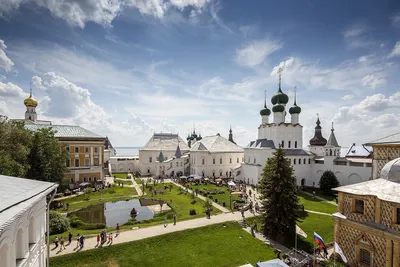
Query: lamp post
pixel 230 199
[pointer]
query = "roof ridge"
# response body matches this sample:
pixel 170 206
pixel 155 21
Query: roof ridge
pixel 384 137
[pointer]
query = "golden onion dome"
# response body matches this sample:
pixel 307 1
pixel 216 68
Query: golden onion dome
pixel 30 101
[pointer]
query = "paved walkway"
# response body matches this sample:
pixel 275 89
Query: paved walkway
pixel 137 187
pixel 223 209
pixel 317 212
pixel 141 233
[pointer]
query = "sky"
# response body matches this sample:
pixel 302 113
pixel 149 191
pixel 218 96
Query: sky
pixel 128 68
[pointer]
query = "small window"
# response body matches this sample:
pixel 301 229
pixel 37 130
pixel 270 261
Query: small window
pixel 294 161
pixel 309 161
pixel 90 179
pixel 220 174
pixel 87 162
pixel 76 149
pixel 288 144
pixel 76 162
pixel 398 215
pixel 150 159
pixel 254 160
pixel 365 256
pixel 213 161
pixel 84 179
pixel 359 206
pixel 96 162
pixel 230 160
pixel 220 161
pixel 237 160
pixel 68 163
pixel 86 150
pixel 283 144
pixel 295 144
pixel 299 161
pixel 304 161
pixel 96 150
pixel 67 148
pixel 148 170
pixel 202 161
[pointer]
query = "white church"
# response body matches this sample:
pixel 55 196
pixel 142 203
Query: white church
pixel 166 154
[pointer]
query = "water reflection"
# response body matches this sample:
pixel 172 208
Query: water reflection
pixel 112 213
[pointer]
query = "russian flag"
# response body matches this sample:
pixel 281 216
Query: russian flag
pixel 318 239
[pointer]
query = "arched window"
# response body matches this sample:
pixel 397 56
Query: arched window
pixel 283 143
pixel 330 152
pixel 254 160
pixel 237 160
pixel 230 160
pixel 220 173
pixel 288 144
pixel 32 230
pixel 4 255
pixel 299 161
pixel 84 179
pixel 19 245
pixel 90 179
pixel 294 161
pixel 304 161
pixel 202 161
pixel 220 161
pixel 295 144
pixel 213 160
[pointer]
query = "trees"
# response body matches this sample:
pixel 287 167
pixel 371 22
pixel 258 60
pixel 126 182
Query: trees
pixel 15 143
pixel 328 181
pixel 47 158
pixel 58 223
pixel 279 198
pixel 33 155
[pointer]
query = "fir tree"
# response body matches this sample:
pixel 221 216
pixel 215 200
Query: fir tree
pixel 328 181
pixel 280 208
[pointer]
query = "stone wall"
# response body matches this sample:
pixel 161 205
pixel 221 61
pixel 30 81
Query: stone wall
pixel 387 212
pixel 369 208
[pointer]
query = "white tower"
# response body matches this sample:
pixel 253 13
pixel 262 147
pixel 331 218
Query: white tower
pixel 31 104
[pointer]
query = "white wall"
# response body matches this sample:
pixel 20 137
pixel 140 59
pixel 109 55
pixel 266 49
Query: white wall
pixel 13 245
pixel 124 164
pixel 144 159
pixel 229 161
pixel 283 132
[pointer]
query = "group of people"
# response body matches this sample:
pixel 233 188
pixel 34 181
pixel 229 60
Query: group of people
pixel 103 237
pixel 80 241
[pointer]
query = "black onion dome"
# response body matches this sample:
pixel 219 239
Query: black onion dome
pixel 278 108
pixel 283 98
pixel 318 139
pixel 265 112
pixel 295 109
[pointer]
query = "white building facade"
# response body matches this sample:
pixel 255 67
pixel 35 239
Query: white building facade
pixel 23 221
pixel 276 130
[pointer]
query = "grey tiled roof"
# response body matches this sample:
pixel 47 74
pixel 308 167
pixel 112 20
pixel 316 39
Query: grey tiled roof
pixel 391 139
pixel 215 143
pixel 259 143
pixel 332 140
pixel 15 193
pixel 64 130
pixel 166 142
pixel 296 152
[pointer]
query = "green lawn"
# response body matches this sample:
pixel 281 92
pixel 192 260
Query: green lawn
pixel 321 224
pixel 316 204
pixel 213 245
pixel 180 205
pixel 320 193
pixel 138 180
pixel 115 193
pixel 221 197
pixel 120 175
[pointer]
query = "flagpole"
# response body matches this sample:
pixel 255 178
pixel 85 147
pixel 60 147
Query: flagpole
pixel 295 248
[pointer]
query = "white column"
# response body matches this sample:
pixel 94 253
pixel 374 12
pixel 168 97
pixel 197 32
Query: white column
pixel 278 117
pixel 294 119
pixel 91 156
pixel 264 119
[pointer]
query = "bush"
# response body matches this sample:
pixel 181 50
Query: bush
pixel 193 202
pixel 75 222
pixel 58 223
pixel 192 212
pixel 131 221
pixel 328 181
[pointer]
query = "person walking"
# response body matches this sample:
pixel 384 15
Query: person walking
pixel 174 219
pixel 98 240
pixel 117 228
pixel 56 242
pixel 165 221
pixel 82 241
pixel 62 244
pixel 78 239
pixel 111 238
pixel 69 238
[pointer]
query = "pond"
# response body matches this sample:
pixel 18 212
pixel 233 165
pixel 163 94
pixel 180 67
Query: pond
pixel 112 213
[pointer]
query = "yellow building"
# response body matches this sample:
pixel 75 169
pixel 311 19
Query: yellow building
pixel 85 149
pixel 385 150
pixel 367 226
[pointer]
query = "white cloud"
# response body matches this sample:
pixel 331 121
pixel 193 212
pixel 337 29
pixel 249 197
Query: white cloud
pixel 355 36
pixel 372 81
pixel 4 109
pixel 11 90
pixel 67 102
pixel 78 13
pixel 254 53
pixel 5 61
pixel 396 50
pixel 396 20
pixel 347 75
pixel 348 97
